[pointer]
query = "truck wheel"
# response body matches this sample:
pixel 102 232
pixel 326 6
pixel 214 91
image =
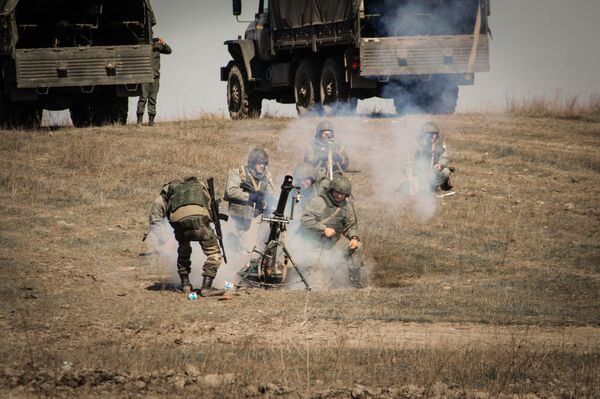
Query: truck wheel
pixel 333 87
pixel 81 114
pixel 15 116
pixel 306 86
pixel 242 101
pixel 110 110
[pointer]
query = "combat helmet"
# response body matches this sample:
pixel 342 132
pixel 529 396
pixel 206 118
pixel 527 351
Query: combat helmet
pixel 258 155
pixel 341 184
pixel 323 126
pixel 304 171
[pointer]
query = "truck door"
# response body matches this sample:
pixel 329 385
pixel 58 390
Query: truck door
pixel 263 31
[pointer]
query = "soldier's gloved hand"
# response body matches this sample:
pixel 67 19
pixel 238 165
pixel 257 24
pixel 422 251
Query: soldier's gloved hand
pixel 329 232
pixel 354 243
pixel 247 187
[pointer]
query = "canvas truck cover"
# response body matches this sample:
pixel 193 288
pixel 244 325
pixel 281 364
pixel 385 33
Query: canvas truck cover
pixel 290 14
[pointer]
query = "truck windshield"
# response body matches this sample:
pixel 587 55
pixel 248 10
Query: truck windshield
pixel 385 18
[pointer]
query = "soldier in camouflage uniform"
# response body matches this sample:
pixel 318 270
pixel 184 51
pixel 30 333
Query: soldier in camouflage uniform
pixel 150 90
pixel 327 218
pixel 429 168
pixel 186 204
pixel 311 181
pixel 248 191
pixel 323 145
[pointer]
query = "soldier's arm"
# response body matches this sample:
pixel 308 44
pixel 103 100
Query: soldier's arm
pixel 313 214
pixel 309 156
pixel 350 225
pixel 158 211
pixel 165 49
pixel 444 159
pixel 233 189
pixel 344 160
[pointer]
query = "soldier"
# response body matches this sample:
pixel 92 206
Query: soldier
pixel 428 169
pixel 150 90
pixel 186 203
pixel 326 150
pixel 311 181
pixel 327 218
pixel 249 190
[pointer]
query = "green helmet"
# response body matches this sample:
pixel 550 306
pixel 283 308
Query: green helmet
pixel 430 128
pixel 341 184
pixel 304 171
pixel 324 126
pixel 258 155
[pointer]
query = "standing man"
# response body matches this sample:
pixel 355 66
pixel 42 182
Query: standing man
pixel 186 203
pixel 248 191
pixel 327 218
pixel 325 152
pixel 150 90
pixel 429 168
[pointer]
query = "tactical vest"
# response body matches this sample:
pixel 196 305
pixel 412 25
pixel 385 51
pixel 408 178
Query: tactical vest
pixel 334 216
pixel 186 192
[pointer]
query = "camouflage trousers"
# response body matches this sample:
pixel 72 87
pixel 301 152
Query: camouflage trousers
pixel 329 262
pixel 196 228
pixel 149 96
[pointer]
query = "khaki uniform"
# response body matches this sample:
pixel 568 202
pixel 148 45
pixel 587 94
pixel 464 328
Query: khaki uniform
pixel 242 209
pixel 323 212
pixel 318 155
pixel 186 204
pixel 150 90
pixel 421 166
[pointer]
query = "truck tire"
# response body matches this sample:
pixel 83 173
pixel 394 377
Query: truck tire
pixel 19 116
pixel 306 86
pixel 81 114
pixel 334 89
pixel 242 101
pixel 437 101
pixel 99 111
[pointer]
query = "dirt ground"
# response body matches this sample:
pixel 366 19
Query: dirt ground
pixel 496 294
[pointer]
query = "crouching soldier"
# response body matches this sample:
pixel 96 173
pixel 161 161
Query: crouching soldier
pixel 429 167
pixel 248 191
pixel 186 204
pixel 327 218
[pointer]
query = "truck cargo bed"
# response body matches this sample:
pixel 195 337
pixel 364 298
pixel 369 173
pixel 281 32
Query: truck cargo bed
pixel 84 66
pixel 420 55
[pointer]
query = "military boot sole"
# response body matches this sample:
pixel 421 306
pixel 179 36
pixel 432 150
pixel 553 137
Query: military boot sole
pixel 211 292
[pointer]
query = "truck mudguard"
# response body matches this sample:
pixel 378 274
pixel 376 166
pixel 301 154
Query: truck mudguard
pixel 243 50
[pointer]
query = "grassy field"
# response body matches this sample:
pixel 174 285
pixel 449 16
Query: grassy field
pixel 494 291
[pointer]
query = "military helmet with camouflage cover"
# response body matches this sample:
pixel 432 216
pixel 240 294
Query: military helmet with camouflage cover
pixel 304 171
pixel 341 184
pixel 258 155
pixel 324 126
pixel 430 128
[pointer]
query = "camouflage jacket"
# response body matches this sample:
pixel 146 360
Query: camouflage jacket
pixel 322 212
pixel 318 154
pixel 239 197
pixel 426 158
pixel 168 205
pixel 157 50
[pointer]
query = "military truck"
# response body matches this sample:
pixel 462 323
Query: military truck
pixel 323 55
pixel 87 56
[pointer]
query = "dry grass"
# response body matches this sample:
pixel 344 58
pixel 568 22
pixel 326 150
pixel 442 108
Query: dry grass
pixel 517 245
pixel 566 107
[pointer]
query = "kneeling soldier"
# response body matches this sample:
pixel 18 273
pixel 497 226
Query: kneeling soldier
pixel 186 203
pixel 330 215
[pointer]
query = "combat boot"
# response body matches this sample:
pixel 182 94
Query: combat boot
pixel 207 288
pixel 186 286
pixel 140 119
pixel 354 275
pixel 151 120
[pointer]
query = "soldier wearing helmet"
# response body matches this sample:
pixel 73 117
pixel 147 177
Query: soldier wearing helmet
pixel 429 169
pixel 327 219
pixel 325 149
pixel 249 189
pixel 186 204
